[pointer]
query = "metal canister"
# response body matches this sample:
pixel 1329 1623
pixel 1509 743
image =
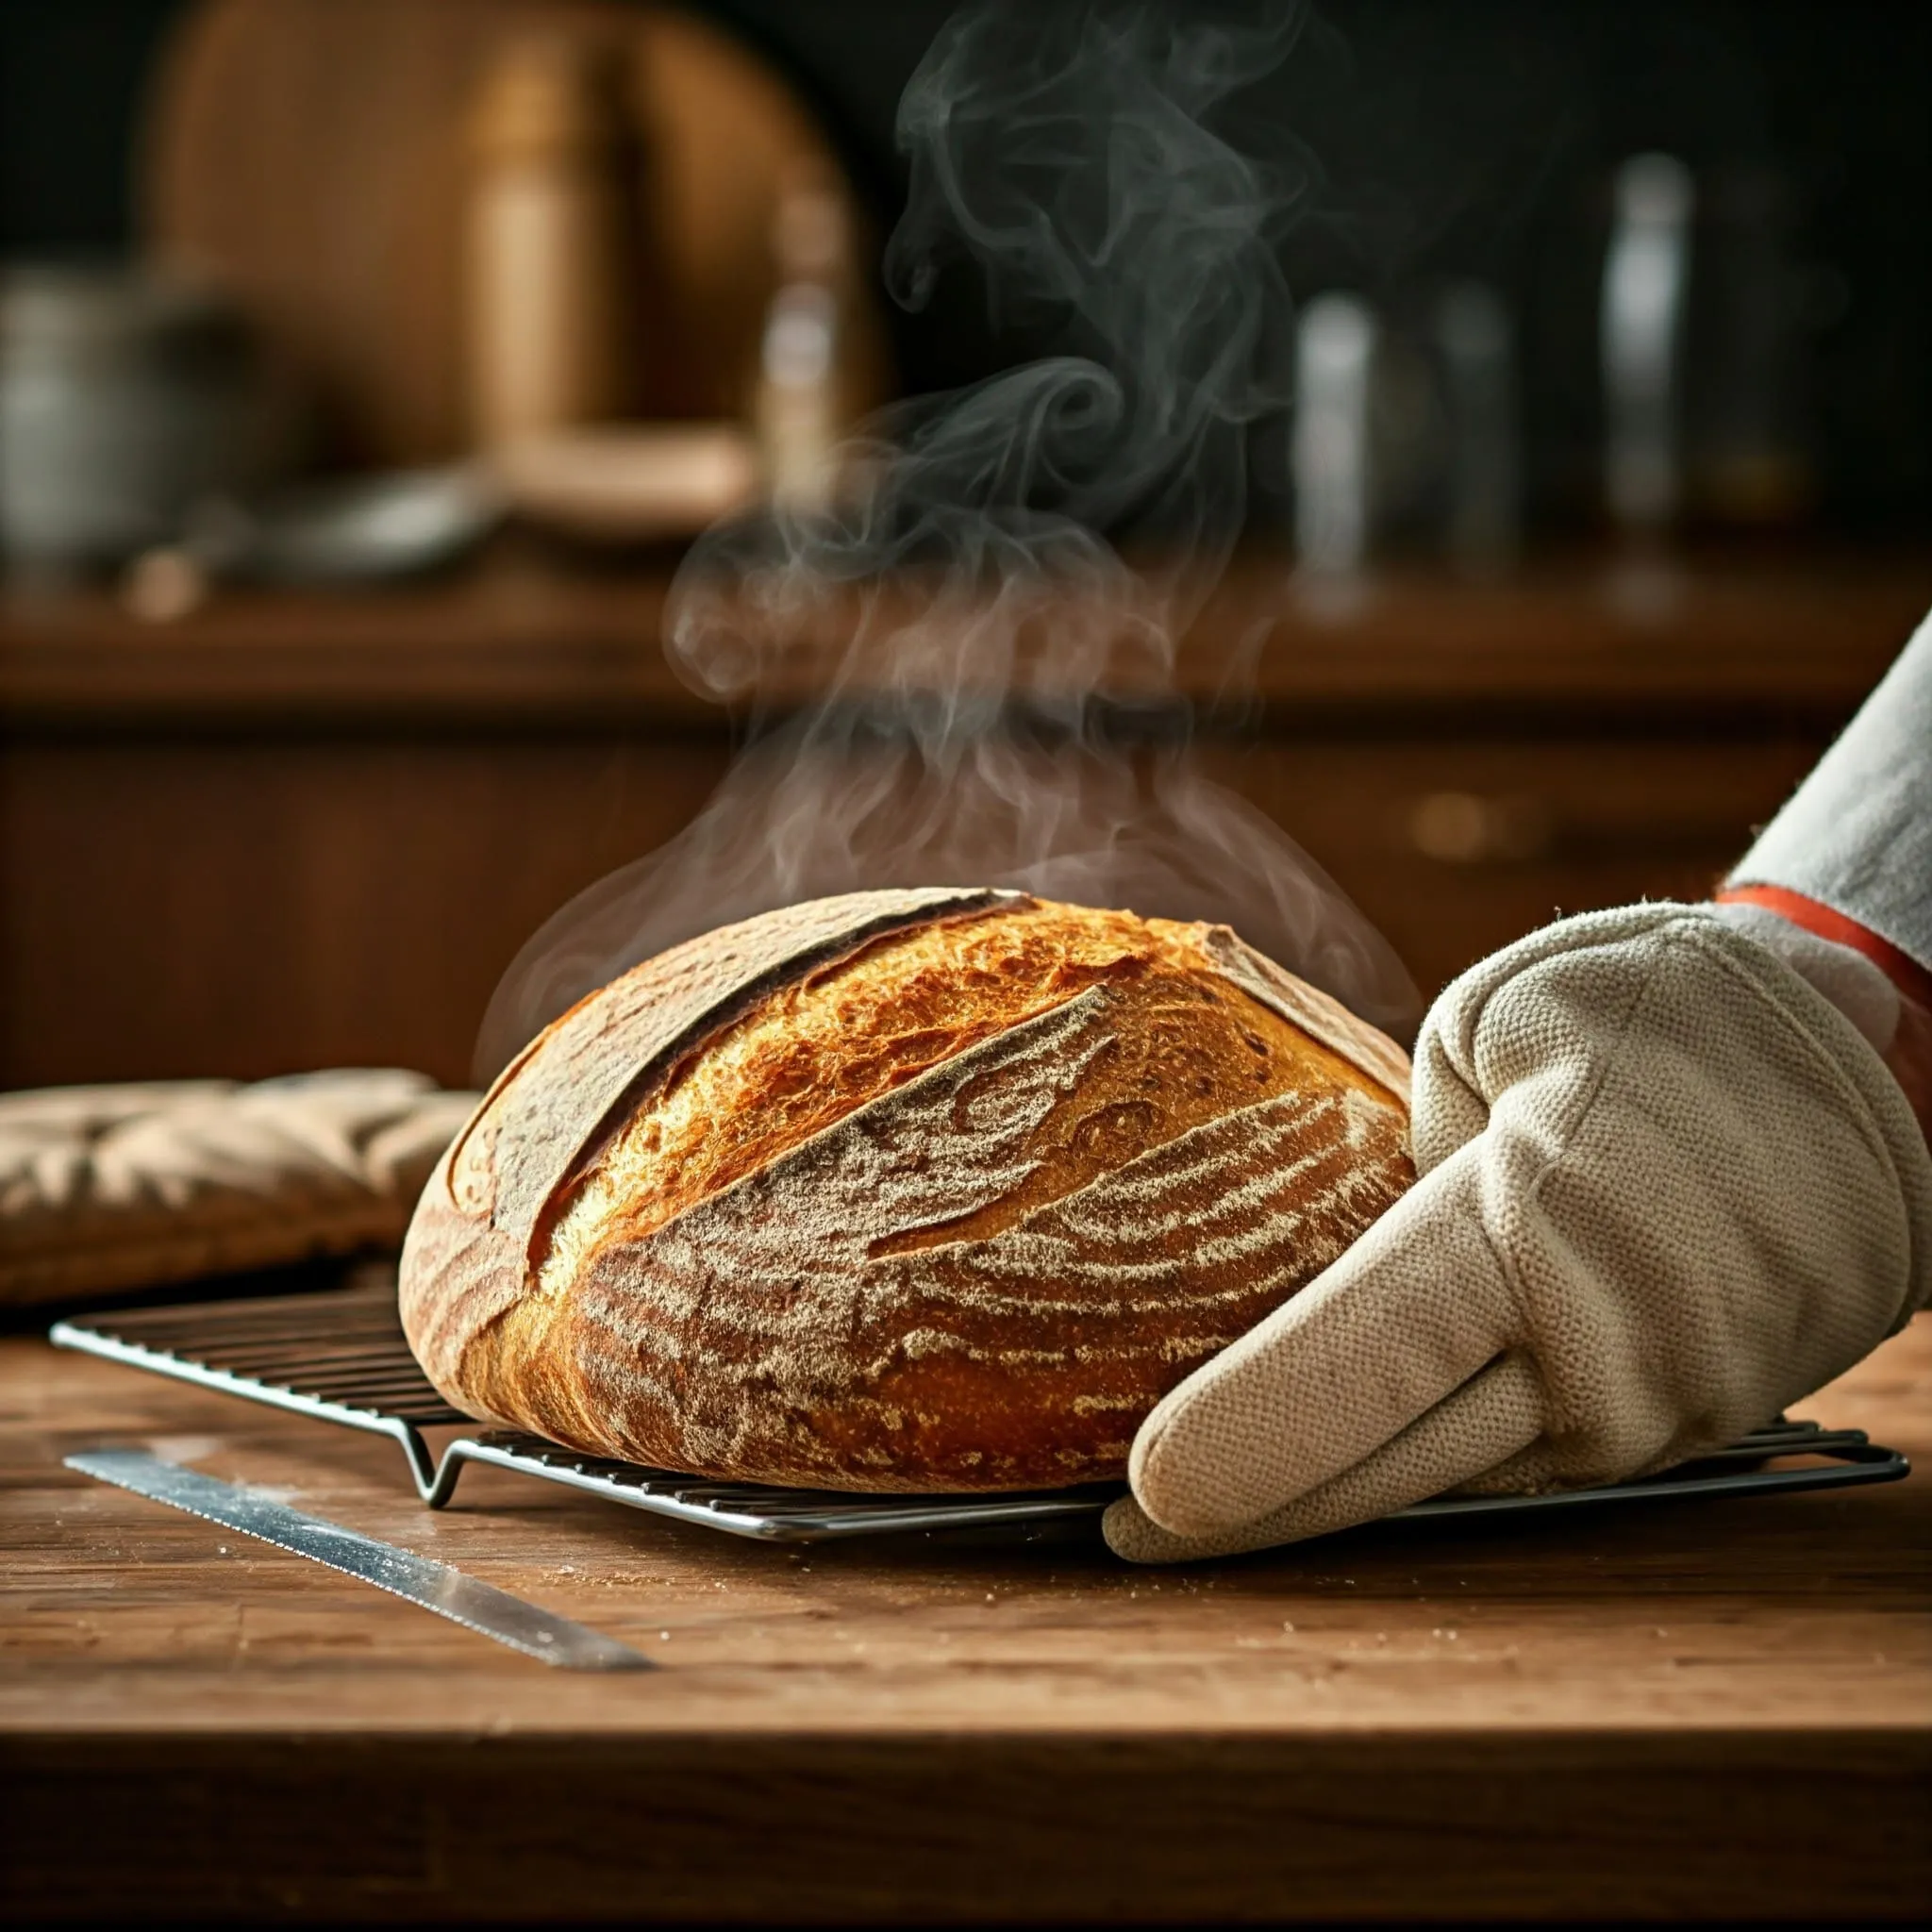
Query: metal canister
pixel 125 397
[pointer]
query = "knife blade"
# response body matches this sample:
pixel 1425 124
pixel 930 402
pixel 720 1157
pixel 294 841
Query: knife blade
pixel 463 1599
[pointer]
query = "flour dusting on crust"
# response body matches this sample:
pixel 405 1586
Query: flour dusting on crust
pixel 978 1278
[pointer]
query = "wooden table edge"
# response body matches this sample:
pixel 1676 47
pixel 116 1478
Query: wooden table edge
pixel 952 1827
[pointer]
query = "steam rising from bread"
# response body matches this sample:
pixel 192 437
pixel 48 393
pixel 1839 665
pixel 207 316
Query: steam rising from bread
pixel 962 616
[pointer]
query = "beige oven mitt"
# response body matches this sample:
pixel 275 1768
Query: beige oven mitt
pixel 1666 1186
pixel 122 1187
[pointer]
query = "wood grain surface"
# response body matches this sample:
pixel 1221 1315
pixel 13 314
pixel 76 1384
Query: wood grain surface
pixel 1718 1709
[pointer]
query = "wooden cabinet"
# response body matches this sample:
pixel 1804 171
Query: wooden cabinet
pixel 1455 845
pixel 245 907
pixel 293 833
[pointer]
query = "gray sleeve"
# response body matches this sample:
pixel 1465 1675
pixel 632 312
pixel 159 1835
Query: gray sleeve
pixel 1856 835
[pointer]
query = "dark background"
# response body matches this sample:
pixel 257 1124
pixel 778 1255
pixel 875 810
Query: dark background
pixel 1454 137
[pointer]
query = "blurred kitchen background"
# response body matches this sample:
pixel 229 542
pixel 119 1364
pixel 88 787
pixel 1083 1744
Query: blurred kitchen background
pixel 365 364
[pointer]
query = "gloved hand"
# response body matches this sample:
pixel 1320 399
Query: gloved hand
pixel 1665 1187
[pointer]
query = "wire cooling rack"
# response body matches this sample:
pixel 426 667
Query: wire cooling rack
pixel 338 1356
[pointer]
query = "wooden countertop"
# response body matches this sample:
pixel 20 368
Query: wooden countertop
pixel 1689 1709
pixel 1750 638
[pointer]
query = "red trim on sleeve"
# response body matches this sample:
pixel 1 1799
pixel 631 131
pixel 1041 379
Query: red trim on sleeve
pixel 1904 971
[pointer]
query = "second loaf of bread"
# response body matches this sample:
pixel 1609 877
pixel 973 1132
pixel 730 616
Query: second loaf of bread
pixel 932 1189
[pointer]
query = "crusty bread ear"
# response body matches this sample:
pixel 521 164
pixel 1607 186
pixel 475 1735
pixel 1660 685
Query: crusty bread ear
pixel 936 1193
pixel 549 1104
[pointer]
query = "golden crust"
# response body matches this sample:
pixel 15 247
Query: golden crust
pixel 824 1045
pixel 551 1103
pixel 793 1259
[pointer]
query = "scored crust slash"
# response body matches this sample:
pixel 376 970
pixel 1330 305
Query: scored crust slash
pixel 911 1191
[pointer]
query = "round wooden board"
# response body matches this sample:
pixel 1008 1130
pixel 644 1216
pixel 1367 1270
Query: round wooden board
pixel 310 154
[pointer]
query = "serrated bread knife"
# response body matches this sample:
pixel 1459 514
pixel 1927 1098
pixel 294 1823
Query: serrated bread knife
pixel 466 1600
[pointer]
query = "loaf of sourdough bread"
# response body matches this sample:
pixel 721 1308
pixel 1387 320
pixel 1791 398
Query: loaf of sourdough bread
pixel 908 1191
